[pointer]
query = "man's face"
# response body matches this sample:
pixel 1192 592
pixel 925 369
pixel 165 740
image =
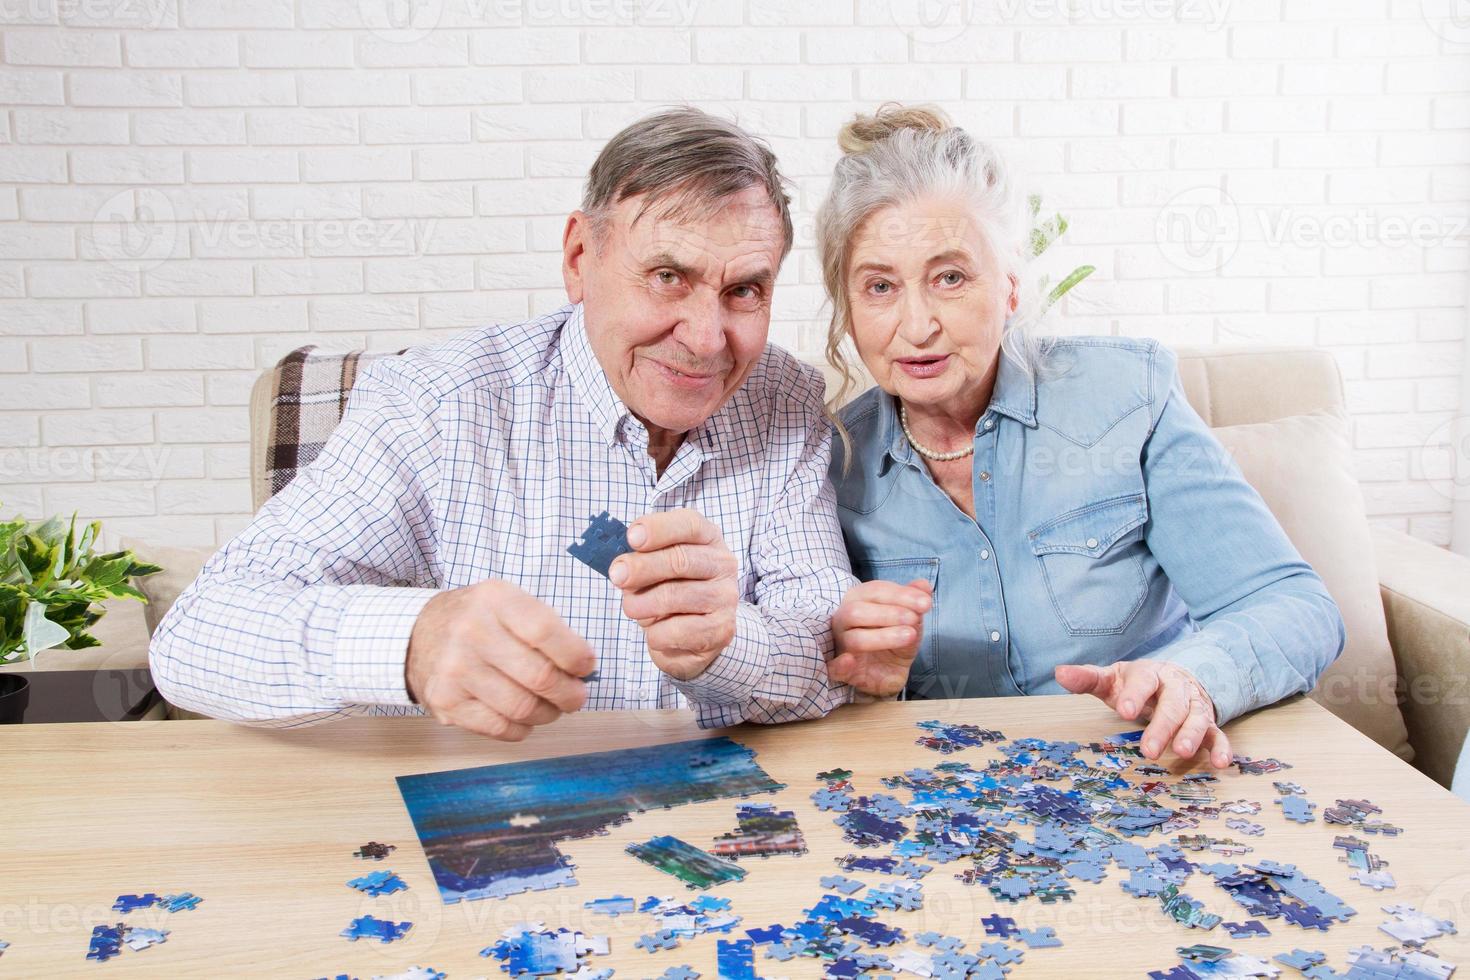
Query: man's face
pixel 677 309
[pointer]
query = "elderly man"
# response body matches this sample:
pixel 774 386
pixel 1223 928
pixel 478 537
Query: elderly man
pixel 420 563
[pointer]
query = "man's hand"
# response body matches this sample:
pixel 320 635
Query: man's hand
pixel 876 632
pixel 679 583
pixel 495 660
pixel 1181 712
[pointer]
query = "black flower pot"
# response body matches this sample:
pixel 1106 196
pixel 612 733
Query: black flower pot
pixel 15 694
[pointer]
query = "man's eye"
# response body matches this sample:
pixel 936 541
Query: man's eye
pixel 666 277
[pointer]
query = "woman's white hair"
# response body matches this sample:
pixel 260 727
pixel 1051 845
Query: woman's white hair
pixel 894 156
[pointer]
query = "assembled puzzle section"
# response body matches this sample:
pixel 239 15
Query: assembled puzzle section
pixel 492 831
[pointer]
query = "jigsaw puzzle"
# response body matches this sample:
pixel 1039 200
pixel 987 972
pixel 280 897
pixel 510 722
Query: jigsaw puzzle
pixel 491 831
pixel 605 539
pixel 694 867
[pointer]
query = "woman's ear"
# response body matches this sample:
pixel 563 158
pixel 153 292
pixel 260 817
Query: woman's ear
pixel 1015 298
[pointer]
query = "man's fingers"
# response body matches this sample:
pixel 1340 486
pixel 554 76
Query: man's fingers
pixel 688 634
pixel 478 717
pixel 654 531
pixel 879 640
pixel 868 615
pixel 539 627
pixel 535 673
pixel 679 599
pixel 635 570
pixel 510 699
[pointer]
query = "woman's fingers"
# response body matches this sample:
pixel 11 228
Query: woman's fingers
pixel 878 640
pixel 869 615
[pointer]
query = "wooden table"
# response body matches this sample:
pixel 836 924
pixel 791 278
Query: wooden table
pixel 263 823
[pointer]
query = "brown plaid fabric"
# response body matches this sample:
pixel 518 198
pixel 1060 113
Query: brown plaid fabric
pixel 311 395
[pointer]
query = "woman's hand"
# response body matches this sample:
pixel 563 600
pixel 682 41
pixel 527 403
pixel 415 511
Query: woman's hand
pixel 877 631
pixel 1179 709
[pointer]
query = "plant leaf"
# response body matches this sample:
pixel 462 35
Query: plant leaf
pixel 1063 287
pixel 40 632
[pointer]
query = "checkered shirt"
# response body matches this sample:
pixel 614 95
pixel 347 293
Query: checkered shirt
pixel 485 457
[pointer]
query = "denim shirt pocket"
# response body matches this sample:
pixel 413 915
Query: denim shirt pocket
pixel 1090 560
pixel 903 571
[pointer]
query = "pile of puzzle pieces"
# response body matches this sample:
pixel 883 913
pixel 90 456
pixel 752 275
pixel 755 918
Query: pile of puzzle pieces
pixel 532 950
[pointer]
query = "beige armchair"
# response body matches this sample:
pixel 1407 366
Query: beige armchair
pixel 1407 603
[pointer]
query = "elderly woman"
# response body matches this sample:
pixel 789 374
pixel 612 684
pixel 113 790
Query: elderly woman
pixel 1034 517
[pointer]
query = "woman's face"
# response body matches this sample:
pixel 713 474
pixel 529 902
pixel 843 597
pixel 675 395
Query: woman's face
pixel 929 300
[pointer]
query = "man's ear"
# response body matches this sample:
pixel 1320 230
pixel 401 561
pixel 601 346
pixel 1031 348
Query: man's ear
pixel 575 242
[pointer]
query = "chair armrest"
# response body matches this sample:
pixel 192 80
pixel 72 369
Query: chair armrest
pixel 1426 601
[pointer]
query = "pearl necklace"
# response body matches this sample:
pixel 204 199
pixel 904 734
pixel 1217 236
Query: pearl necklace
pixel 925 451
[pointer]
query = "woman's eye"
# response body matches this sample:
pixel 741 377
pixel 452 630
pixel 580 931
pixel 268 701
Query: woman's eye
pixel 880 288
pixel 951 278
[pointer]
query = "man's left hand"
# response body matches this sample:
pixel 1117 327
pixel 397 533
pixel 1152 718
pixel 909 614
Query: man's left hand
pixel 1180 712
pixel 679 583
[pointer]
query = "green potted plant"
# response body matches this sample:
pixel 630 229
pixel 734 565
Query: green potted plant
pixel 50 583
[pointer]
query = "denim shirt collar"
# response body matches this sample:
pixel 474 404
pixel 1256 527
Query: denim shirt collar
pixel 1014 396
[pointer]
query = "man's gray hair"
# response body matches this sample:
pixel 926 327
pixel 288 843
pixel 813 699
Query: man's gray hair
pixel 687 161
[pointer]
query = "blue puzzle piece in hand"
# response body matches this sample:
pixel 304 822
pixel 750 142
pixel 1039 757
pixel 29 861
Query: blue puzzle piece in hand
pixel 606 537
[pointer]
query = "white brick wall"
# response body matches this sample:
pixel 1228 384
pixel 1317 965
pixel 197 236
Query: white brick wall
pixel 190 188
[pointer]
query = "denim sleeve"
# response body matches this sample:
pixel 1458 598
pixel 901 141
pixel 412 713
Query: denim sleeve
pixel 1268 627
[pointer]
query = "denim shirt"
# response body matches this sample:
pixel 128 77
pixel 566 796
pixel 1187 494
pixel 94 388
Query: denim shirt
pixel 1109 525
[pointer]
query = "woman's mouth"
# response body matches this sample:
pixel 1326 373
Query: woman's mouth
pixel 924 367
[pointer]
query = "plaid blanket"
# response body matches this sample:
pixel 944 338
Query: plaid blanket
pixel 310 397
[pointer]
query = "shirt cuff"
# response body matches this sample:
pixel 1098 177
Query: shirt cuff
pixel 1223 679
pixel 732 678
pixel 372 643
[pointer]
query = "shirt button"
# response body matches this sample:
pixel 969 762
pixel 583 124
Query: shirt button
pixel 984 554
pixel 1092 542
pixel 995 636
pixel 985 476
pixel 990 423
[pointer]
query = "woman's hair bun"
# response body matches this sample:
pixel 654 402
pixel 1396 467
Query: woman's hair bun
pixel 866 131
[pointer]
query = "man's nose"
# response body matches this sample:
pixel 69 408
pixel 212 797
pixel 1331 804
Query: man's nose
pixel 702 329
